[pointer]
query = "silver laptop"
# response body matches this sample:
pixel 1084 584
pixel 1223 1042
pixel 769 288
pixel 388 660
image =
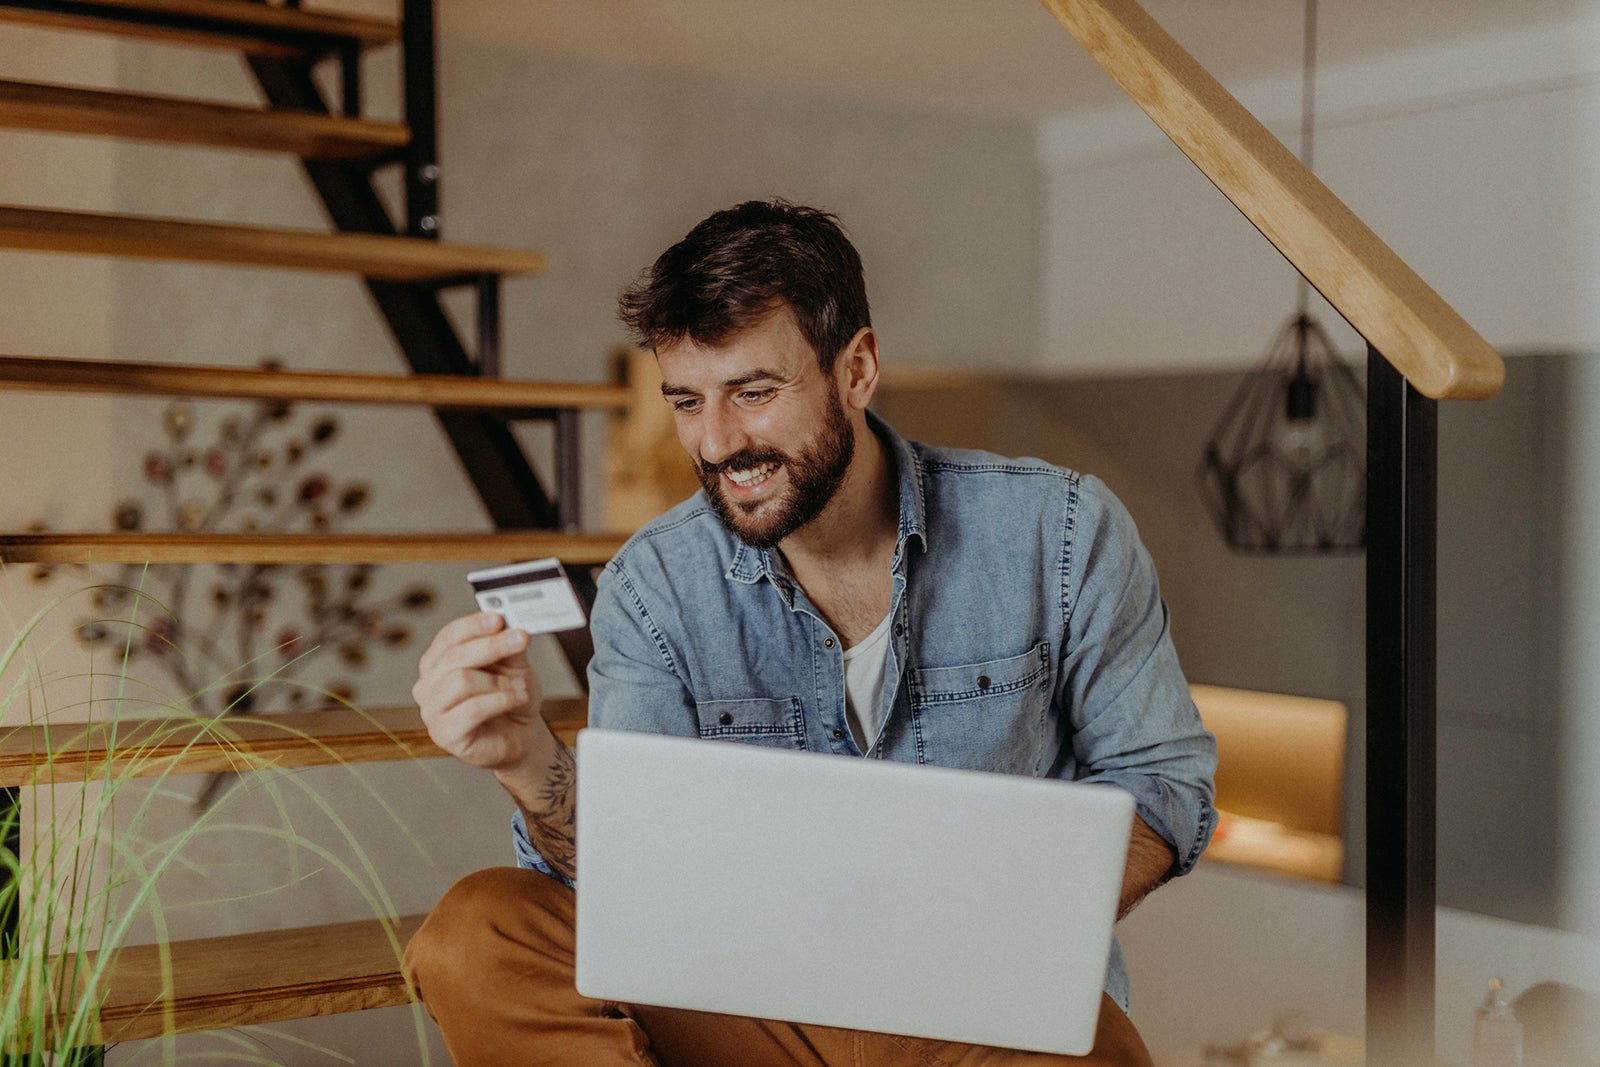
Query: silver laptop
pixel 859 893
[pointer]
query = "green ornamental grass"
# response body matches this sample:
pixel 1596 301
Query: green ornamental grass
pixel 89 857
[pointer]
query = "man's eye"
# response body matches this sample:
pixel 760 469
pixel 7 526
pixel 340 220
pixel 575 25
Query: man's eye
pixel 686 404
pixel 755 396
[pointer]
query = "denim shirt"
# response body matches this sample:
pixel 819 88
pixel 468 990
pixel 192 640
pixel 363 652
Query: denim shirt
pixel 1028 637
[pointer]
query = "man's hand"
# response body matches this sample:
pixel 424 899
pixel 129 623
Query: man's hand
pixel 479 698
pixel 480 701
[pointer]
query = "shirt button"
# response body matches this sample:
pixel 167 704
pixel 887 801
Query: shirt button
pixel 983 681
pixel 838 735
pixel 899 631
pixel 827 642
pixel 726 718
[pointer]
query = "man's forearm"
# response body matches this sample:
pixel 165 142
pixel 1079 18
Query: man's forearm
pixel 1150 862
pixel 547 792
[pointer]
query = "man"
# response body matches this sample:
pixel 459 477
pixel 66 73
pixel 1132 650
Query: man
pixel 833 588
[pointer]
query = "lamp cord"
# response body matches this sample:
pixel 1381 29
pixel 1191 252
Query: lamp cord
pixel 1308 109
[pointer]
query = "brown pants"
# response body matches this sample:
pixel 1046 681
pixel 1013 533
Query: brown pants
pixel 494 963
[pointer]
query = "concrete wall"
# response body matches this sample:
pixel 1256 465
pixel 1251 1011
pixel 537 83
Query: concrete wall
pixel 52 306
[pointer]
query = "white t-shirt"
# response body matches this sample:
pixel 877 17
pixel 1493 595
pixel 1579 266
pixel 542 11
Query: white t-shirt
pixel 863 684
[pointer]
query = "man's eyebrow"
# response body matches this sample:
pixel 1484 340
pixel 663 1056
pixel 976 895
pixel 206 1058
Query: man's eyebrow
pixel 751 377
pixel 748 378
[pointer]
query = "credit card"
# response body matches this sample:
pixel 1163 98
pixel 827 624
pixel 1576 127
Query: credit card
pixel 535 596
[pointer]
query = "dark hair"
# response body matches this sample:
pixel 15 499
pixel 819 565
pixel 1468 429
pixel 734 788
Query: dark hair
pixel 738 266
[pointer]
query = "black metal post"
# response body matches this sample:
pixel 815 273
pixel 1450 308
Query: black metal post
pixel 489 325
pixel 490 455
pixel 568 499
pixel 422 152
pixel 350 80
pixel 1402 459
pixel 11 907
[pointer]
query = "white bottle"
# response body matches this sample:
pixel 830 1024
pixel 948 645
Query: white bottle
pixel 1496 1034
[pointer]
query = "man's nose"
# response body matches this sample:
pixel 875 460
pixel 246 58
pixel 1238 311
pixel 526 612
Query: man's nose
pixel 721 434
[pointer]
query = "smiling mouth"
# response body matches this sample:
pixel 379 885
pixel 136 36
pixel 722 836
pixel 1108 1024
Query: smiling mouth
pixel 752 476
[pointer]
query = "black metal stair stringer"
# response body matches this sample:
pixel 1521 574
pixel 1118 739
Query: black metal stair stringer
pixel 509 487
pixel 494 462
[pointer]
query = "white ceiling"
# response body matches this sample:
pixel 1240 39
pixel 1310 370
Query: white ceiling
pixel 1003 58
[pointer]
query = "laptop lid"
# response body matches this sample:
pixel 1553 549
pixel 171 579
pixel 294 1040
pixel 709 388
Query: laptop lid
pixel 858 893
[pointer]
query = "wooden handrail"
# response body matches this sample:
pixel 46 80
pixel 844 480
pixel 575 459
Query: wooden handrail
pixel 176 120
pixel 1387 303
pixel 582 549
pixel 144 237
pixel 40 375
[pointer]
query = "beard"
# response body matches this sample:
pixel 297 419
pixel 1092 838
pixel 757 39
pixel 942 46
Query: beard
pixel 815 474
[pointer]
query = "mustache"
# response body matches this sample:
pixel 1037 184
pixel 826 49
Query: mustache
pixel 741 460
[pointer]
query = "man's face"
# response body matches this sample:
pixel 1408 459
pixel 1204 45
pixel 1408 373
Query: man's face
pixel 763 425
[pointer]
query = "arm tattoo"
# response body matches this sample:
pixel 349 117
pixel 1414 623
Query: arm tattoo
pixel 554 830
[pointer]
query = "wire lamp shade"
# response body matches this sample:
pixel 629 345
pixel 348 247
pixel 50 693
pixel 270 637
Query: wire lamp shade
pixel 1285 470
pixel 1286 467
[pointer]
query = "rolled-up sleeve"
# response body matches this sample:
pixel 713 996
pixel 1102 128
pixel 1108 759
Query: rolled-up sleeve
pixel 528 857
pixel 1133 722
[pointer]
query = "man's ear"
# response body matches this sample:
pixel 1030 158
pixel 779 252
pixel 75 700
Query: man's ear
pixel 856 369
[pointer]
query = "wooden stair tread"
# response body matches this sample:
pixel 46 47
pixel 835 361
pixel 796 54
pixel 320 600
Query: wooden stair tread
pixel 574 548
pixel 217 983
pixel 137 116
pixel 144 748
pixel 178 379
pixel 258 29
pixel 142 237
pixel 246 979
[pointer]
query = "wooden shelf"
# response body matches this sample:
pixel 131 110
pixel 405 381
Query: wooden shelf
pixel 60 109
pixel 1241 841
pixel 177 379
pixel 146 748
pixel 138 237
pixel 307 548
pixel 257 29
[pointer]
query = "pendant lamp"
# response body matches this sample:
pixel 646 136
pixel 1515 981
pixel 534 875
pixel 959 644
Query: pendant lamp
pixel 1285 469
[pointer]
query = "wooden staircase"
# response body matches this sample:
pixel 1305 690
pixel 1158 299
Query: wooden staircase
pixel 253 978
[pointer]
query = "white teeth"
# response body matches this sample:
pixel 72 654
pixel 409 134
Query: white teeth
pixel 745 479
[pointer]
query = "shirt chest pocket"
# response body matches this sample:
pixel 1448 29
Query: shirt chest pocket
pixel 986 716
pixel 773 721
